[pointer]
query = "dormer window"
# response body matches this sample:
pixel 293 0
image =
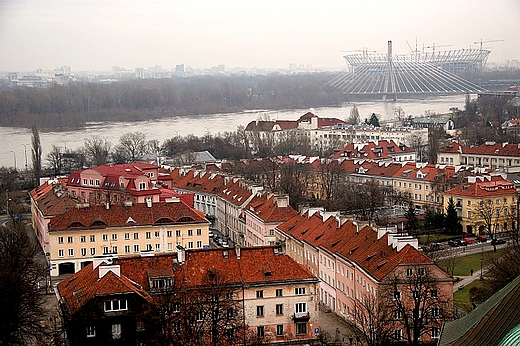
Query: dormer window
pixel 161 283
pixel 142 185
pixel 115 305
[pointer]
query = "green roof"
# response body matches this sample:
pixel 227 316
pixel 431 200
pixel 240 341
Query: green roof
pixel 487 324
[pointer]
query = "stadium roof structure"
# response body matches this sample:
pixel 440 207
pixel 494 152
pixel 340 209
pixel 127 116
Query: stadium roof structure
pixel 390 76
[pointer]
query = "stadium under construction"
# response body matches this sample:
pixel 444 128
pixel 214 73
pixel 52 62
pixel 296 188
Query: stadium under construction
pixel 390 76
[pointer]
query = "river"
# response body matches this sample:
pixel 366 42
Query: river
pixel 16 142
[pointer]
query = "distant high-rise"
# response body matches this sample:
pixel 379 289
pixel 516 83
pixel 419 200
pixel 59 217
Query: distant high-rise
pixel 139 73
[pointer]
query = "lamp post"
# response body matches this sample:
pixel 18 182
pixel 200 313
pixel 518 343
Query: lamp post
pixel 481 255
pixel 14 157
pixel 25 152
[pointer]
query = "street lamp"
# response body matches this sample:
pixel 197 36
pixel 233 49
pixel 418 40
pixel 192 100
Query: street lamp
pixel 14 156
pixel 25 152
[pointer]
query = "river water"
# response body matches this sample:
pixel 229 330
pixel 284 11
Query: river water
pixel 16 142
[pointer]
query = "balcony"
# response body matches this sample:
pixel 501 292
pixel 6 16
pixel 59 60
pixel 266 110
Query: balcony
pixel 301 316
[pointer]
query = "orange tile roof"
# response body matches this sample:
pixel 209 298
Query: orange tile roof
pixel 268 211
pixel 379 150
pixel 49 203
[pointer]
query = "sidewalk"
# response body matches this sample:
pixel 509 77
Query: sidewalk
pixel 466 280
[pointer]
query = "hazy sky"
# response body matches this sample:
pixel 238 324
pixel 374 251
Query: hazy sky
pixel 98 34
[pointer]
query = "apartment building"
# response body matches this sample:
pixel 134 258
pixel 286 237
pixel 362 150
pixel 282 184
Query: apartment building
pixel 258 295
pixel 80 234
pixel 379 150
pixel 355 263
pixel 262 215
pixel 504 157
pixel 485 202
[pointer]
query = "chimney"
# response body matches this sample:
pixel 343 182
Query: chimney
pixel 237 250
pixel 181 254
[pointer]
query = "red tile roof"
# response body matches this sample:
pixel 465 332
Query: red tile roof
pixel 86 284
pixel 379 150
pixel 98 216
pixel 267 209
pixel 52 202
pixel 486 149
pixel 483 187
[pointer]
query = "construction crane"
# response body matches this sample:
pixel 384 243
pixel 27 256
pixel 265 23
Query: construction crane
pixel 436 46
pixel 487 41
pixel 364 50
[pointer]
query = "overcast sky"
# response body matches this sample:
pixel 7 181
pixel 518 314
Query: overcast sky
pixel 98 34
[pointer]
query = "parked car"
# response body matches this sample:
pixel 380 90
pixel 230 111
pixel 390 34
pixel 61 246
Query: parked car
pixel 498 241
pixel 468 240
pixel 456 242
pixel 210 234
pixel 481 239
pixel 436 246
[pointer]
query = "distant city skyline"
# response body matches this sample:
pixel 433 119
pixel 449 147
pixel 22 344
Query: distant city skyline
pixel 95 35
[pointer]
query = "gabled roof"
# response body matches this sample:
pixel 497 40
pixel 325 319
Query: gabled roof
pixel 86 284
pixel 488 323
pixel 98 216
pixel 234 192
pixel 484 187
pixel 380 150
pixel 51 200
pixel 486 149
pixel 267 209
pixel 247 266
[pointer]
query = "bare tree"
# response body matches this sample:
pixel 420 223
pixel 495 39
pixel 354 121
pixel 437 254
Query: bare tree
pixel 22 313
pixel 375 318
pixel 36 153
pixel 491 213
pixel 354 118
pixel 54 159
pixel 133 144
pixel 96 150
pixel 417 301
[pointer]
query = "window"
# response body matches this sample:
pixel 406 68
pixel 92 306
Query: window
pixel 436 332
pixel 148 235
pixel 301 328
pixel 435 312
pixel 279 309
pixel 260 294
pixel 397 295
pixel 170 246
pixel 127 248
pixel 142 185
pixel 199 244
pixel 83 252
pixel 97 182
pixel 136 235
pixel 161 283
pixel 199 231
pixel 397 315
pixel 434 293
pixel 260 311
pixel 83 239
pixel 136 248
pixel 114 236
pixel 178 233
pixel 157 247
pixel 105 237
pixel 260 331
pixel 421 271
pixel 230 333
pixel 92 238
pixel 300 308
pixel 84 181
pixel 92 251
pixel 115 305
pixel 127 236
pixel 279 330
pixel 190 245
pixel 60 240
pixel 176 307
pixel 299 291
pixel 148 247
pixel 190 232
pixel 279 292
pixel 71 252
pixel 105 250
pixel 409 272
pixel 169 234
pixel 156 234
pixel 91 331
pixel 116 331
pixel 91 181
pixel 60 253
pixel 398 334
pixel 230 314
pixel 199 316
pixel 415 294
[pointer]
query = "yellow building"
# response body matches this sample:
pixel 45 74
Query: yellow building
pixel 485 204
pixel 82 233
